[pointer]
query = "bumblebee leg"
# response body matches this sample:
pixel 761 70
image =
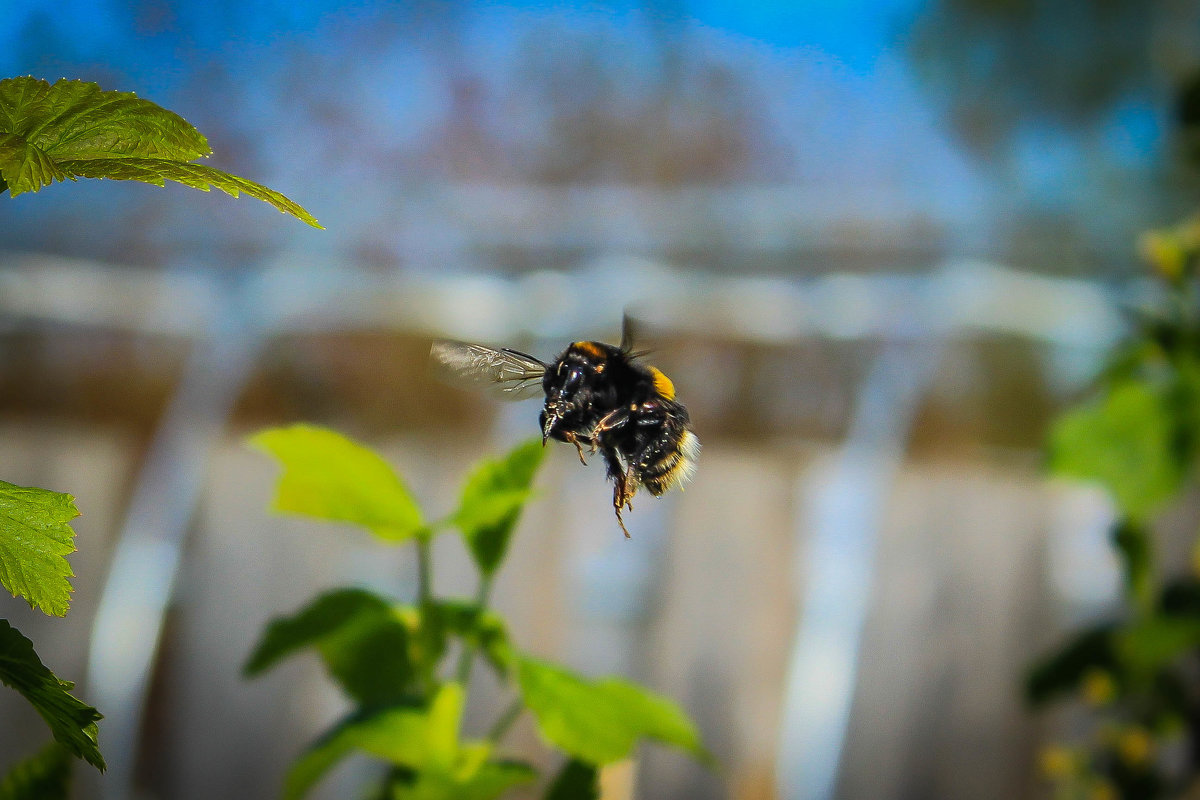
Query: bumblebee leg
pixel 573 438
pixel 620 499
pixel 621 522
pixel 611 421
pixel 621 494
pixel 630 487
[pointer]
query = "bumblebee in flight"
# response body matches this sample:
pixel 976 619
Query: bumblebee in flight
pixel 598 395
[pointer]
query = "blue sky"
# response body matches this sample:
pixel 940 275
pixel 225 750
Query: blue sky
pixel 829 81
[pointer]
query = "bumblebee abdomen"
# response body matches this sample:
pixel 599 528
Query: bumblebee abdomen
pixel 673 467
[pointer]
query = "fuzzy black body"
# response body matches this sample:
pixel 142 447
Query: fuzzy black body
pixel 599 396
pixel 586 382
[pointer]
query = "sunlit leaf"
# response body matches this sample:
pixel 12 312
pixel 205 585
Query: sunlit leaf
pixel 34 542
pixel 420 739
pixel 196 176
pixel 44 776
pixel 72 722
pixel 469 781
pixel 458 771
pixel 361 637
pixel 398 732
pixel 600 722
pixel 492 499
pixel 1126 443
pixel 75 119
pixel 72 129
pixel 329 476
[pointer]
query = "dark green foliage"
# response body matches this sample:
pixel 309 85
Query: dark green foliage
pixel 1139 438
pixel 1132 541
pixel 1181 599
pixel 45 776
pixel 362 639
pixel 577 780
pixel 1063 672
pixel 391 657
pixel 477 628
pixel 73 723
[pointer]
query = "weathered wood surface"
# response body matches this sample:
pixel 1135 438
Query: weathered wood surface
pixel 700 605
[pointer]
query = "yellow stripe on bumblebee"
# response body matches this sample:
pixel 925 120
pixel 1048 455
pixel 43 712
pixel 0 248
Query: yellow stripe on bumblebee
pixel 592 349
pixel 662 384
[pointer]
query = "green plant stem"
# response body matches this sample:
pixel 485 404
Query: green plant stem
pixel 425 602
pixel 506 719
pixel 466 658
pixel 424 571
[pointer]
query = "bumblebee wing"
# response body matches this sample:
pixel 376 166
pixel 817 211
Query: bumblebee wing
pixel 631 331
pixel 628 332
pixel 515 375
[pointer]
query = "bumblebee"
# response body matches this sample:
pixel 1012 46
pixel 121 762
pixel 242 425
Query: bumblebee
pixel 596 395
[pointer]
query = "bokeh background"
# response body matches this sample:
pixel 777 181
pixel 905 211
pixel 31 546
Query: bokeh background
pixel 877 244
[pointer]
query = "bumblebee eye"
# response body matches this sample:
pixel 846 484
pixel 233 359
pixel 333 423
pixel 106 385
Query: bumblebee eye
pixel 560 367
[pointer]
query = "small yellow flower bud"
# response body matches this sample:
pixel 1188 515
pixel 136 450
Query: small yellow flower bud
pixel 1164 252
pixel 1098 687
pixel 1135 746
pixel 1056 762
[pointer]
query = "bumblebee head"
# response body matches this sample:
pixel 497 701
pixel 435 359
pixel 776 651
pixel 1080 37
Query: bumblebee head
pixel 552 415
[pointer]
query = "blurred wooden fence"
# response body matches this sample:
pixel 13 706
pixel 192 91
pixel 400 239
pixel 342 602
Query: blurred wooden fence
pixel 701 605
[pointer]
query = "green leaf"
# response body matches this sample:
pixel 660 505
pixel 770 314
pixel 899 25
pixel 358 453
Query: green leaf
pixel 34 540
pixel 454 771
pixel 363 640
pixel 1125 442
pixel 480 628
pixel 492 500
pixel 409 737
pixel 1150 645
pixel 1132 541
pixel 44 776
pixel 1181 598
pixel 74 119
pixel 72 722
pixel 599 722
pixel 492 779
pixel 469 781
pixel 26 168
pixel 441 738
pixel 196 176
pixel 328 476
pixel 575 781
pixel 73 129
pixel 424 743
pixel 397 731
